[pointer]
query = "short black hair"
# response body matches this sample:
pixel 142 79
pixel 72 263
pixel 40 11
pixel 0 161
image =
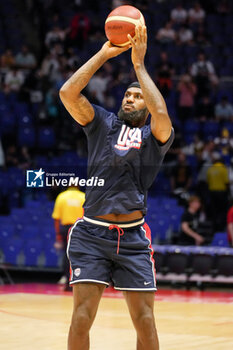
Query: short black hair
pixel 134 84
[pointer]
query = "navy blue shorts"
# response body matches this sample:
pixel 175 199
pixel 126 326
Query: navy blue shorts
pixel 102 252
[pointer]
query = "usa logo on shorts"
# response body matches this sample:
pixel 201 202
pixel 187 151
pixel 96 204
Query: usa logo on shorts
pixel 77 272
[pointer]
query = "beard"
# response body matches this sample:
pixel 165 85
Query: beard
pixel 133 118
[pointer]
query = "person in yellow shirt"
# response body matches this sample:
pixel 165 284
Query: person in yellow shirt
pixel 67 209
pixel 218 185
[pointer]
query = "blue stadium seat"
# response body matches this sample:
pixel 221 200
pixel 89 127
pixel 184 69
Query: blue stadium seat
pixel 18 215
pixel 47 235
pixel 192 160
pixel 25 120
pixel 7 122
pixel 12 250
pixel 191 127
pixel 30 231
pixel 46 137
pixel 17 177
pixel 210 129
pixel 52 257
pixel 33 204
pixel 6 186
pixel 170 204
pixel 26 136
pixel 21 108
pixel 160 228
pixel 7 231
pixel 220 240
pixel 175 220
pixel 32 251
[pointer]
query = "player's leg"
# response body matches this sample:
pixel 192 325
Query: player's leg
pixel 141 308
pixel 86 298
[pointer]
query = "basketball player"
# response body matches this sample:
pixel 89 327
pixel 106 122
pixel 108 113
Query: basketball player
pixel 111 241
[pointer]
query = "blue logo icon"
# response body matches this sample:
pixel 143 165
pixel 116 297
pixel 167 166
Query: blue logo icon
pixel 35 178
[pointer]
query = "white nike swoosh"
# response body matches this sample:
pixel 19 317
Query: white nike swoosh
pixel 146 283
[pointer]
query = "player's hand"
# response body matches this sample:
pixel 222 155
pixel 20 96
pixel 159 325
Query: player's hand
pixel 139 45
pixel 111 50
pixel 58 245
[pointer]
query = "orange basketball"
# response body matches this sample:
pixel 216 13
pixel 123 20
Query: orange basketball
pixel 121 22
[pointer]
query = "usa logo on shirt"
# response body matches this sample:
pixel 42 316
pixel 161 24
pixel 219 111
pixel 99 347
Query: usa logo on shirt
pixel 129 138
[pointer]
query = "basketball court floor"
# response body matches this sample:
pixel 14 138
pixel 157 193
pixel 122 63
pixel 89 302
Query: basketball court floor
pixel 37 316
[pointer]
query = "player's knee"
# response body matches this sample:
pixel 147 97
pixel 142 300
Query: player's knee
pixel 81 321
pixel 145 322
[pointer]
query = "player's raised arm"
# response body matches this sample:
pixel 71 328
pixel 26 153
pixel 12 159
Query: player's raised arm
pixel 70 93
pixel 160 121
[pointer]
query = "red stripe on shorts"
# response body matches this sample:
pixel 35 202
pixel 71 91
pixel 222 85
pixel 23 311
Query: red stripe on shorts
pixel 68 236
pixel 148 236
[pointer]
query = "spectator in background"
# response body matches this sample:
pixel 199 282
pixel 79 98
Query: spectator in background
pixel 205 109
pixel 79 30
pixel 14 79
pixel 25 160
pixel 25 60
pixel 187 92
pixel 204 74
pixel 33 89
pixel 179 14
pixel 194 148
pixel 52 103
pixel 57 50
pixel 98 85
pixel 201 37
pixel 11 156
pixel 218 186
pixel 50 67
pixel 224 143
pixel 205 160
pixel 54 21
pixel 224 110
pixel 67 209
pixel 73 61
pixel 207 152
pixel 54 36
pixel 166 34
pixel 181 176
pixel 196 14
pixel 224 7
pixel 7 61
pixel 190 222
pixel 164 71
pixel 185 35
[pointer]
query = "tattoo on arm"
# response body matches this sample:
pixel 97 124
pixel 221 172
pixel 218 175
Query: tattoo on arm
pixel 81 110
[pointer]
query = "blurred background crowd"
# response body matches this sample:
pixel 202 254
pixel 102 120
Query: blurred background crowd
pixel 190 45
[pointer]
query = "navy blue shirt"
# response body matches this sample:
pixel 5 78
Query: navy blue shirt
pixel 127 158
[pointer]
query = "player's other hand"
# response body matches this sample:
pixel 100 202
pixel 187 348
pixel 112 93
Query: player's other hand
pixel 111 50
pixel 139 45
pixel 58 245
